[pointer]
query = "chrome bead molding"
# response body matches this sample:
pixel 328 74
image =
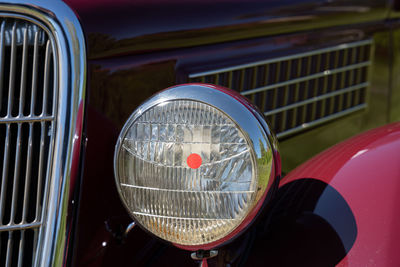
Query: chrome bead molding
pixel 51 29
pixel 298 91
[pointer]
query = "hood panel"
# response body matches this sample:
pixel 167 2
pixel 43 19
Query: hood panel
pixel 129 27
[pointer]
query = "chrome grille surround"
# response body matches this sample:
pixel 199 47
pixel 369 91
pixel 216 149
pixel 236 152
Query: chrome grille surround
pixel 296 92
pixel 38 237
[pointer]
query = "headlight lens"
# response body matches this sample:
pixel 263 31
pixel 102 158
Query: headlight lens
pixel 187 172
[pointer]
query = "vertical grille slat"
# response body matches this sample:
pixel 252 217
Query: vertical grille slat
pixel 28 175
pixel 34 248
pixel 9 248
pixel 23 74
pixel 38 214
pixel 16 176
pixel 298 91
pixel 27 116
pixel 21 248
pixel 34 73
pixel 12 72
pixel 2 48
pixel 47 67
pixel 4 178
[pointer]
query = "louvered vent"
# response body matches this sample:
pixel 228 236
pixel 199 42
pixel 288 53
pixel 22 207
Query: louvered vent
pixel 27 117
pixel 298 91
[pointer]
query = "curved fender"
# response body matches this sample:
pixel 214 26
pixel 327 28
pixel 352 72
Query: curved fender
pixel 365 171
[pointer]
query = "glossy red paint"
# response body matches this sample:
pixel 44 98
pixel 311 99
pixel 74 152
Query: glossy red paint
pixel 366 171
pixel 124 27
pixel 74 175
pixel 76 148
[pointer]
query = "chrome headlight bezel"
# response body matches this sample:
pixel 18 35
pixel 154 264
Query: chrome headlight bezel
pixel 248 120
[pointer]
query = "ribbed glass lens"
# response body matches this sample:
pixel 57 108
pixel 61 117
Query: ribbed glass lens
pixel 186 172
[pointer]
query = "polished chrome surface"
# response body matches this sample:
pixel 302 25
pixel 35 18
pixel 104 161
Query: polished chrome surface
pixel 27 114
pixel 31 123
pixel 23 34
pixel 299 91
pixel 200 255
pixel 128 229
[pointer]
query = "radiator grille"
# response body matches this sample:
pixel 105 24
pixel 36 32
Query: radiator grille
pixel 27 104
pixel 302 90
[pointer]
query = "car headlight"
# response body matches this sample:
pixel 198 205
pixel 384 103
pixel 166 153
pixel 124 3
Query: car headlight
pixel 193 165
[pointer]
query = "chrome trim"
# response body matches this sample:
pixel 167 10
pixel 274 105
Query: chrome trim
pixel 128 229
pixel 246 117
pixel 201 255
pixel 299 91
pixel 13 227
pixel 323 120
pixel 24 35
pixel 290 57
pixel 22 119
pixel 70 50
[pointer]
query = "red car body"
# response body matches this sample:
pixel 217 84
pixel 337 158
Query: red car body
pixel 365 170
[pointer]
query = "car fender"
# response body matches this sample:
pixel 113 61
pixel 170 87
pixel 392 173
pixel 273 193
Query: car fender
pixel 365 171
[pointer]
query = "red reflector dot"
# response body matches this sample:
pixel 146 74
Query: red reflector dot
pixel 194 161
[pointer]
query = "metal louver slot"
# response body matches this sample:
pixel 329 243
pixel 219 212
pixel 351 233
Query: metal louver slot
pixel 27 117
pixel 299 91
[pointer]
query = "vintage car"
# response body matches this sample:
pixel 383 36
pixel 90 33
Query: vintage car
pixel 198 132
